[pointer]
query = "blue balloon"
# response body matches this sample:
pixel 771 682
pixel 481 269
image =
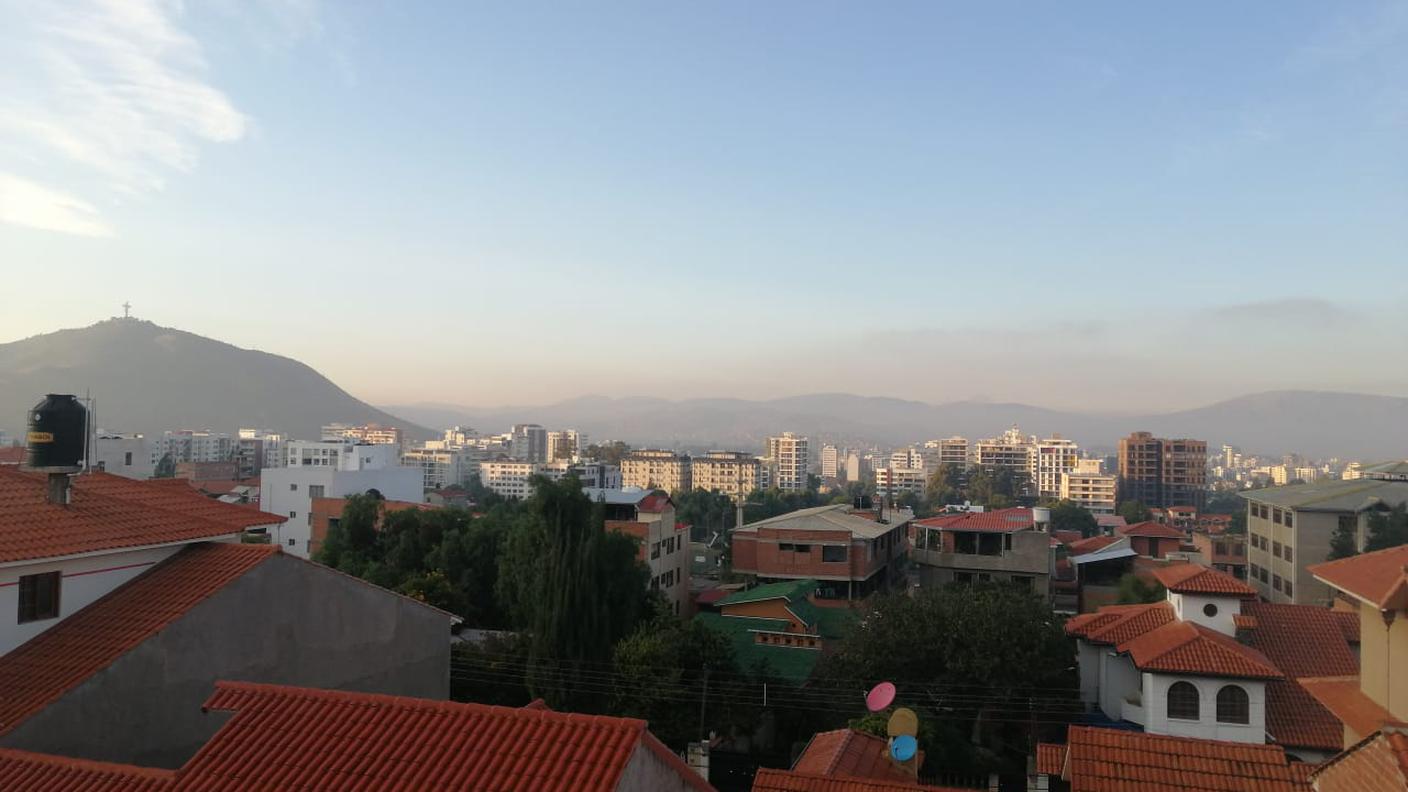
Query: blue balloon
pixel 903 748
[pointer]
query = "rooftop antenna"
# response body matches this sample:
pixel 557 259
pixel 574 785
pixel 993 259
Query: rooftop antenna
pixel 126 310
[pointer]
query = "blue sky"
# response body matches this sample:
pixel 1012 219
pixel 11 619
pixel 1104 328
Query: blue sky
pixel 1095 205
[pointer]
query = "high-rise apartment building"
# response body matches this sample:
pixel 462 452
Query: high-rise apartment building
pixel 856 467
pixel 732 473
pixel 1089 487
pixel 528 443
pixel 789 454
pixel 1163 473
pixel 257 449
pixel 440 467
pixel 563 446
pixel 1012 450
pixel 907 458
pixel 650 469
pixel 191 446
pixel 948 451
pixel 1049 460
pixel 831 464
pixel 896 479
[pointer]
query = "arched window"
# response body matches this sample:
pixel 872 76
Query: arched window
pixel 1183 701
pixel 1232 706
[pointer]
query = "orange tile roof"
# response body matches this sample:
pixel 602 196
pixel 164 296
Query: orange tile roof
pixel 1152 530
pixel 1001 521
pixel 1187 648
pixel 1379 578
pixel 1301 640
pixel 11 455
pixel 1343 696
pixel 1378 763
pixel 1198 579
pixel 1113 760
pixel 850 753
pixel 1090 545
pixel 60 658
pixel 1121 623
pixel 1050 758
pixel 770 780
pixel 1349 624
pixel 108 512
pixel 284 737
pixel 35 772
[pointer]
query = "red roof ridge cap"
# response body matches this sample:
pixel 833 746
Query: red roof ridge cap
pixel 137 771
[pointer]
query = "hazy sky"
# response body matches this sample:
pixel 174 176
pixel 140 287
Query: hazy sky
pixel 1075 205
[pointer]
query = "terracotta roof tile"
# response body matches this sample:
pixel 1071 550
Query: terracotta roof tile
pixel 999 521
pixel 1152 530
pixel 1129 622
pixel 34 772
pixel 11 455
pixel 1066 537
pixel 108 512
pixel 1349 624
pixel 281 737
pixel 1378 763
pixel 850 753
pixel 1092 544
pixel 56 660
pixel 1198 579
pixel 1112 760
pixel 769 780
pixel 1188 648
pixel 1379 578
pixel 1050 758
pixel 1343 696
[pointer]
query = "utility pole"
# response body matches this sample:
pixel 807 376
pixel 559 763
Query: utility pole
pixel 702 700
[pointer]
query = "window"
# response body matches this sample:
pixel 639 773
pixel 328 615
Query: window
pixel 1276 549
pixel 1286 553
pixel 963 578
pixel 786 547
pixel 833 553
pixel 290 543
pixel 127 459
pixel 1288 588
pixel 315 490
pixel 39 597
pixel 293 488
pixel 1232 705
pixel 1276 582
pixel 292 514
pixel 1289 522
pixel 1209 610
pixel 1183 701
pixel 804 548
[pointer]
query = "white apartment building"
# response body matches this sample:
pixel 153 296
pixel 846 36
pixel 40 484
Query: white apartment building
pixel 1012 450
pixel 509 478
pixel 331 470
pixel 185 445
pixel 1089 487
pixel 270 446
pixel 1050 459
pixel 528 443
pixel 907 458
pixel 831 465
pixel 651 468
pixel 126 455
pixel 790 456
pixel 374 434
pixel 856 467
pixel 564 445
pixel 733 473
pixel 948 451
pixel 440 467
pixel 894 480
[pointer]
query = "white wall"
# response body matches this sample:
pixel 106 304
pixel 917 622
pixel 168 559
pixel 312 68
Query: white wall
pixel 1189 608
pixel 1118 679
pixel 1206 727
pixel 285 492
pixel 1088 660
pixel 83 580
pixel 111 454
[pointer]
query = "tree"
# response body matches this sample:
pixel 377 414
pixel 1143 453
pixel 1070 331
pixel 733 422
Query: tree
pixel 611 452
pixel 1134 591
pixel 1387 529
pixel 1238 524
pixel 982 663
pixel 704 512
pixel 995 487
pixel 1134 512
pixel 1069 516
pixel 165 467
pixel 945 485
pixel 1344 542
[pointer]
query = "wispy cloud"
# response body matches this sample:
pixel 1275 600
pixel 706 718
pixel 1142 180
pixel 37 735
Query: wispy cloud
pixel 107 98
pixel 1309 312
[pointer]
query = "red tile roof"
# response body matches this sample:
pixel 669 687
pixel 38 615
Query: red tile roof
pixel 850 753
pixel 60 658
pixel 1349 624
pixel 1116 624
pixel 1301 640
pixel 11 455
pixel 1379 578
pixel 108 512
pixel 1112 760
pixel 1092 544
pixel 999 521
pixel 653 503
pixel 769 780
pixel 1198 579
pixel 1066 537
pixel 1343 696
pixel 1378 763
pixel 284 737
pixel 1188 648
pixel 1050 758
pixel 34 772
pixel 1152 530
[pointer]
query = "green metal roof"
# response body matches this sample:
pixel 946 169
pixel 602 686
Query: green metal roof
pixel 790 590
pixel 1333 495
pixel 791 663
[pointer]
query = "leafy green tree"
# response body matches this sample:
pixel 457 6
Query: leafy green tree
pixel 995 487
pixel 1069 516
pixel 1238 524
pixel 1387 529
pixel 1344 541
pixel 165 467
pixel 610 453
pixel 705 512
pixel 1134 512
pixel 945 485
pixel 491 670
pixel 1134 591
pixel 984 664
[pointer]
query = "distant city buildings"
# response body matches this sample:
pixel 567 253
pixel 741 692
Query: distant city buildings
pixel 831 463
pixel 1089 487
pixel 374 434
pixel 650 468
pixel 733 473
pixel 186 445
pixel 528 443
pixel 788 457
pixel 563 446
pixel 894 479
pixel 1162 473
pixel 948 451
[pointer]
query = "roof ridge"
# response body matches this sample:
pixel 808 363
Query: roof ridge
pixel 76 763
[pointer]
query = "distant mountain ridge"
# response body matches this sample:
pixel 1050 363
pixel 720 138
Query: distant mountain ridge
pixel 147 378
pixel 1315 423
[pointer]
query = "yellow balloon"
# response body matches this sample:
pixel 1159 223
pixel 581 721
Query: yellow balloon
pixel 903 722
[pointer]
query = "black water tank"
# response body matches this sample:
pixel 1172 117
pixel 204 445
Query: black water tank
pixel 57 427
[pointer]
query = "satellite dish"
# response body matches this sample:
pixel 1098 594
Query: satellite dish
pixel 880 696
pixel 903 723
pixel 903 748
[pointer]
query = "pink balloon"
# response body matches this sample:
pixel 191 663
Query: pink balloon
pixel 880 697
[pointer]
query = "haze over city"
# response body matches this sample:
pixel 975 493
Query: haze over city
pixel 1103 207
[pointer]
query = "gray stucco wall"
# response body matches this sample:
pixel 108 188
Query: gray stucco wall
pixel 287 622
pixel 648 772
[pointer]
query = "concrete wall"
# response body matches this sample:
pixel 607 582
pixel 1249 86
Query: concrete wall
pixel 1191 608
pixel 1088 660
pixel 82 580
pixel 1206 727
pixel 284 491
pixel 647 771
pixel 1118 679
pixel 287 622
pixel 1383 657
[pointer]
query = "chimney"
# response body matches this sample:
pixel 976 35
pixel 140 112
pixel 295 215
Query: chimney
pixel 60 489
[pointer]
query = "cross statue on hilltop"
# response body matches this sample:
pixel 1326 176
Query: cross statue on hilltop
pixel 127 310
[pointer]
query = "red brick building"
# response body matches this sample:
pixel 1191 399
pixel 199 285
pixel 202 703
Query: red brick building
pixel 849 555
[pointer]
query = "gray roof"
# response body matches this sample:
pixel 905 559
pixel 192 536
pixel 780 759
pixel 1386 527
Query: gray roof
pixel 1333 495
pixel 831 518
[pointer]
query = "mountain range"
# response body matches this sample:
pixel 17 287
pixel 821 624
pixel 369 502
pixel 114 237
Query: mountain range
pixel 147 378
